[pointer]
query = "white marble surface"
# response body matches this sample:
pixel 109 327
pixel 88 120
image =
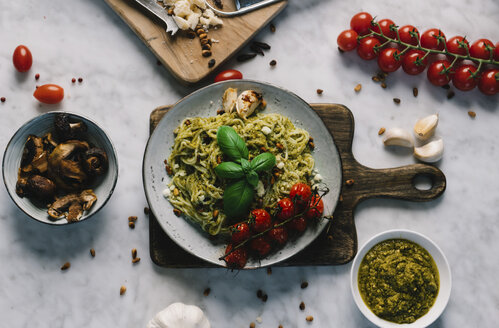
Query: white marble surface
pixel 122 84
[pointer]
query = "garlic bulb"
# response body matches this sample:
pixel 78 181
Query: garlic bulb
pixel 247 102
pixel 398 137
pixel 431 152
pixel 229 100
pixel 425 127
pixel 179 315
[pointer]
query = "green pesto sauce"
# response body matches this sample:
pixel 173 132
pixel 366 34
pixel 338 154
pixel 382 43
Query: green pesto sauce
pixel 398 280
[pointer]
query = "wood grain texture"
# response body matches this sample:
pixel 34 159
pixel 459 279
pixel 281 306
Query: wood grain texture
pixel 181 55
pixel 337 244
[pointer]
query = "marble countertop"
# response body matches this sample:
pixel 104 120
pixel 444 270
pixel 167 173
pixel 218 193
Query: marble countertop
pixel 122 84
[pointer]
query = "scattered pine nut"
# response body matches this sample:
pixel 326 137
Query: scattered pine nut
pixel 136 260
pixel 320 91
pixel 396 100
pixel 280 326
pixel 375 79
pixel 215 213
pixel 472 114
pixel 381 131
pixel 330 237
pixel 176 192
pixel 132 218
pixel 207 292
pixel 309 318
pixel 122 290
pixel 177 212
pixel 92 252
pixel 302 306
pixel 252 325
pixel 415 92
pixel 358 87
pixel 134 253
pixel 341 198
pixel 66 266
pixel 383 85
pixel 349 182
pixel 272 27
pixel 304 285
pixel 131 225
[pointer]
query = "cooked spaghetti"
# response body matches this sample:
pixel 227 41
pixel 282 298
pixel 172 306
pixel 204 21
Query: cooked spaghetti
pixel 196 153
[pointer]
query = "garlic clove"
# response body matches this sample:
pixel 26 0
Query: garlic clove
pixel 229 100
pixel 398 137
pixel 431 152
pixel 179 315
pixel 247 102
pixel 425 127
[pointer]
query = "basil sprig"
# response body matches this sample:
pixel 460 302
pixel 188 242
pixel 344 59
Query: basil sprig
pixel 239 194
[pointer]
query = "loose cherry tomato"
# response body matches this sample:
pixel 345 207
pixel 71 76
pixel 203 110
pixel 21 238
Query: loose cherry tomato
pixel 260 245
pixel 405 34
pixel 298 224
pixel 287 209
pixel 388 60
pixel 496 52
pixel 366 49
pixel 240 232
pixel 49 93
pixel 347 40
pixel 412 62
pixel 262 220
pixel 300 194
pixel 431 39
pixel 316 208
pixel 22 59
pixel 385 28
pixel 237 259
pixel 464 79
pixel 436 73
pixel 489 82
pixel 230 74
pixel 482 48
pixel 361 23
pixel 279 235
pixel 454 45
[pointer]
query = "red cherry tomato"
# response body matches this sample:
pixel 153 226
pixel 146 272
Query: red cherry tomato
pixel 262 220
pixel 237 259
pixel 347 40
pixel 361 23
pixel 260 245
pixel 316 208
pixel 366 49
pixel 298 224
pixel 385 28
pixel 412 63
pixel 230 74
pixel 454 46
pixel 431 39
pixel 463 79
pixel 49 94
pixel 482 48
pixel 300 194
pixel 496 52
pixel 279 235
pixel 286 209
pixel 240 232
pixel 388 60
pixel 22 59
pixel 436 74
pixel 405 34
pixel 489 82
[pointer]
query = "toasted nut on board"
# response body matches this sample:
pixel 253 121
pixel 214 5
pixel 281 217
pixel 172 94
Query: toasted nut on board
pixel 134 253
pixel 122 290
pixel 309 318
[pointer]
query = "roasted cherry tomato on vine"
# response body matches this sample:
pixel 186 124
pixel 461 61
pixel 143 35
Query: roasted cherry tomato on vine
pixel 316 208
pixel 389 60
pixel 240 232
pixel 366 49
pixel 454 45
pixel 436 73
pixel 347 40
pixel 22 59
pixel 279 235
pixel 489 82
pixel 412 62
pixel 300 194
pixel 482 49
pixel 464 78
pixel 230 74
pixel 298 224
pixel 361 23
pixel 262 220
pixel 432 39
pixel 286 209
pixel 260 245
pixel 496 52
pixel 237 259
pixel 406 34
pixel 49 93
pixel 385 28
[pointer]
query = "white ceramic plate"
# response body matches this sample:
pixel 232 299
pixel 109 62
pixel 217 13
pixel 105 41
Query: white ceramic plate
pixel 443 271
pixel 203 103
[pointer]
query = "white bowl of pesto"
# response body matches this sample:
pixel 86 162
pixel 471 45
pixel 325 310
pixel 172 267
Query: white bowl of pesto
pixel 397 260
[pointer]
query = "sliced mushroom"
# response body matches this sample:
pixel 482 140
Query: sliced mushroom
pixel 41 187
pixel 66 129
pixel 49 143
pixel 75 212
pixel 64 167
pixel 87 198
pixel 72 206
pixel 34 158
pixel 95 161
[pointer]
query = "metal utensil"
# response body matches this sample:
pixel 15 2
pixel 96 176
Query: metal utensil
pixel 242 6
pixel 160 12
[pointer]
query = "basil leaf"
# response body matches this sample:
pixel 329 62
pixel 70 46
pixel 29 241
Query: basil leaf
pixel 263 162
pixel 231 143
pixel 237 198
pixel 252 178
pixel 229 170
pixel 246 166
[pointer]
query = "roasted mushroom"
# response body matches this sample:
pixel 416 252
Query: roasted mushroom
pixel 72 205
pixel 49 143
pixel 95 161
pixel 64 166
pixel 34 158
pixel 65 129
pixel 41 187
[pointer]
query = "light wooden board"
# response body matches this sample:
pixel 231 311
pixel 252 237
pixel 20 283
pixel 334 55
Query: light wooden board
pixel 181 55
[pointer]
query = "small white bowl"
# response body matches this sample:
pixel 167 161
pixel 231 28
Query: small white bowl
pixel 445 281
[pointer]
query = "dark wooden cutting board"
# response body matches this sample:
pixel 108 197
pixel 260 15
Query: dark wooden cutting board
pixel 339 244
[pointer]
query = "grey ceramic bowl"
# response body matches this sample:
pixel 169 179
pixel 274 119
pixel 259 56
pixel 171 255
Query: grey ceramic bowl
pixel 39 126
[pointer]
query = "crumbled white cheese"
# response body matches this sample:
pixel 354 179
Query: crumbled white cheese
pixel 266 130
pixel 182 173
pixel 172 187
pixel 176 166
pixel 280 165
pixel 260 189
pixel 201 198
pixel 189 13
pixel 315 171
pixel 317 178
pixel 166 193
